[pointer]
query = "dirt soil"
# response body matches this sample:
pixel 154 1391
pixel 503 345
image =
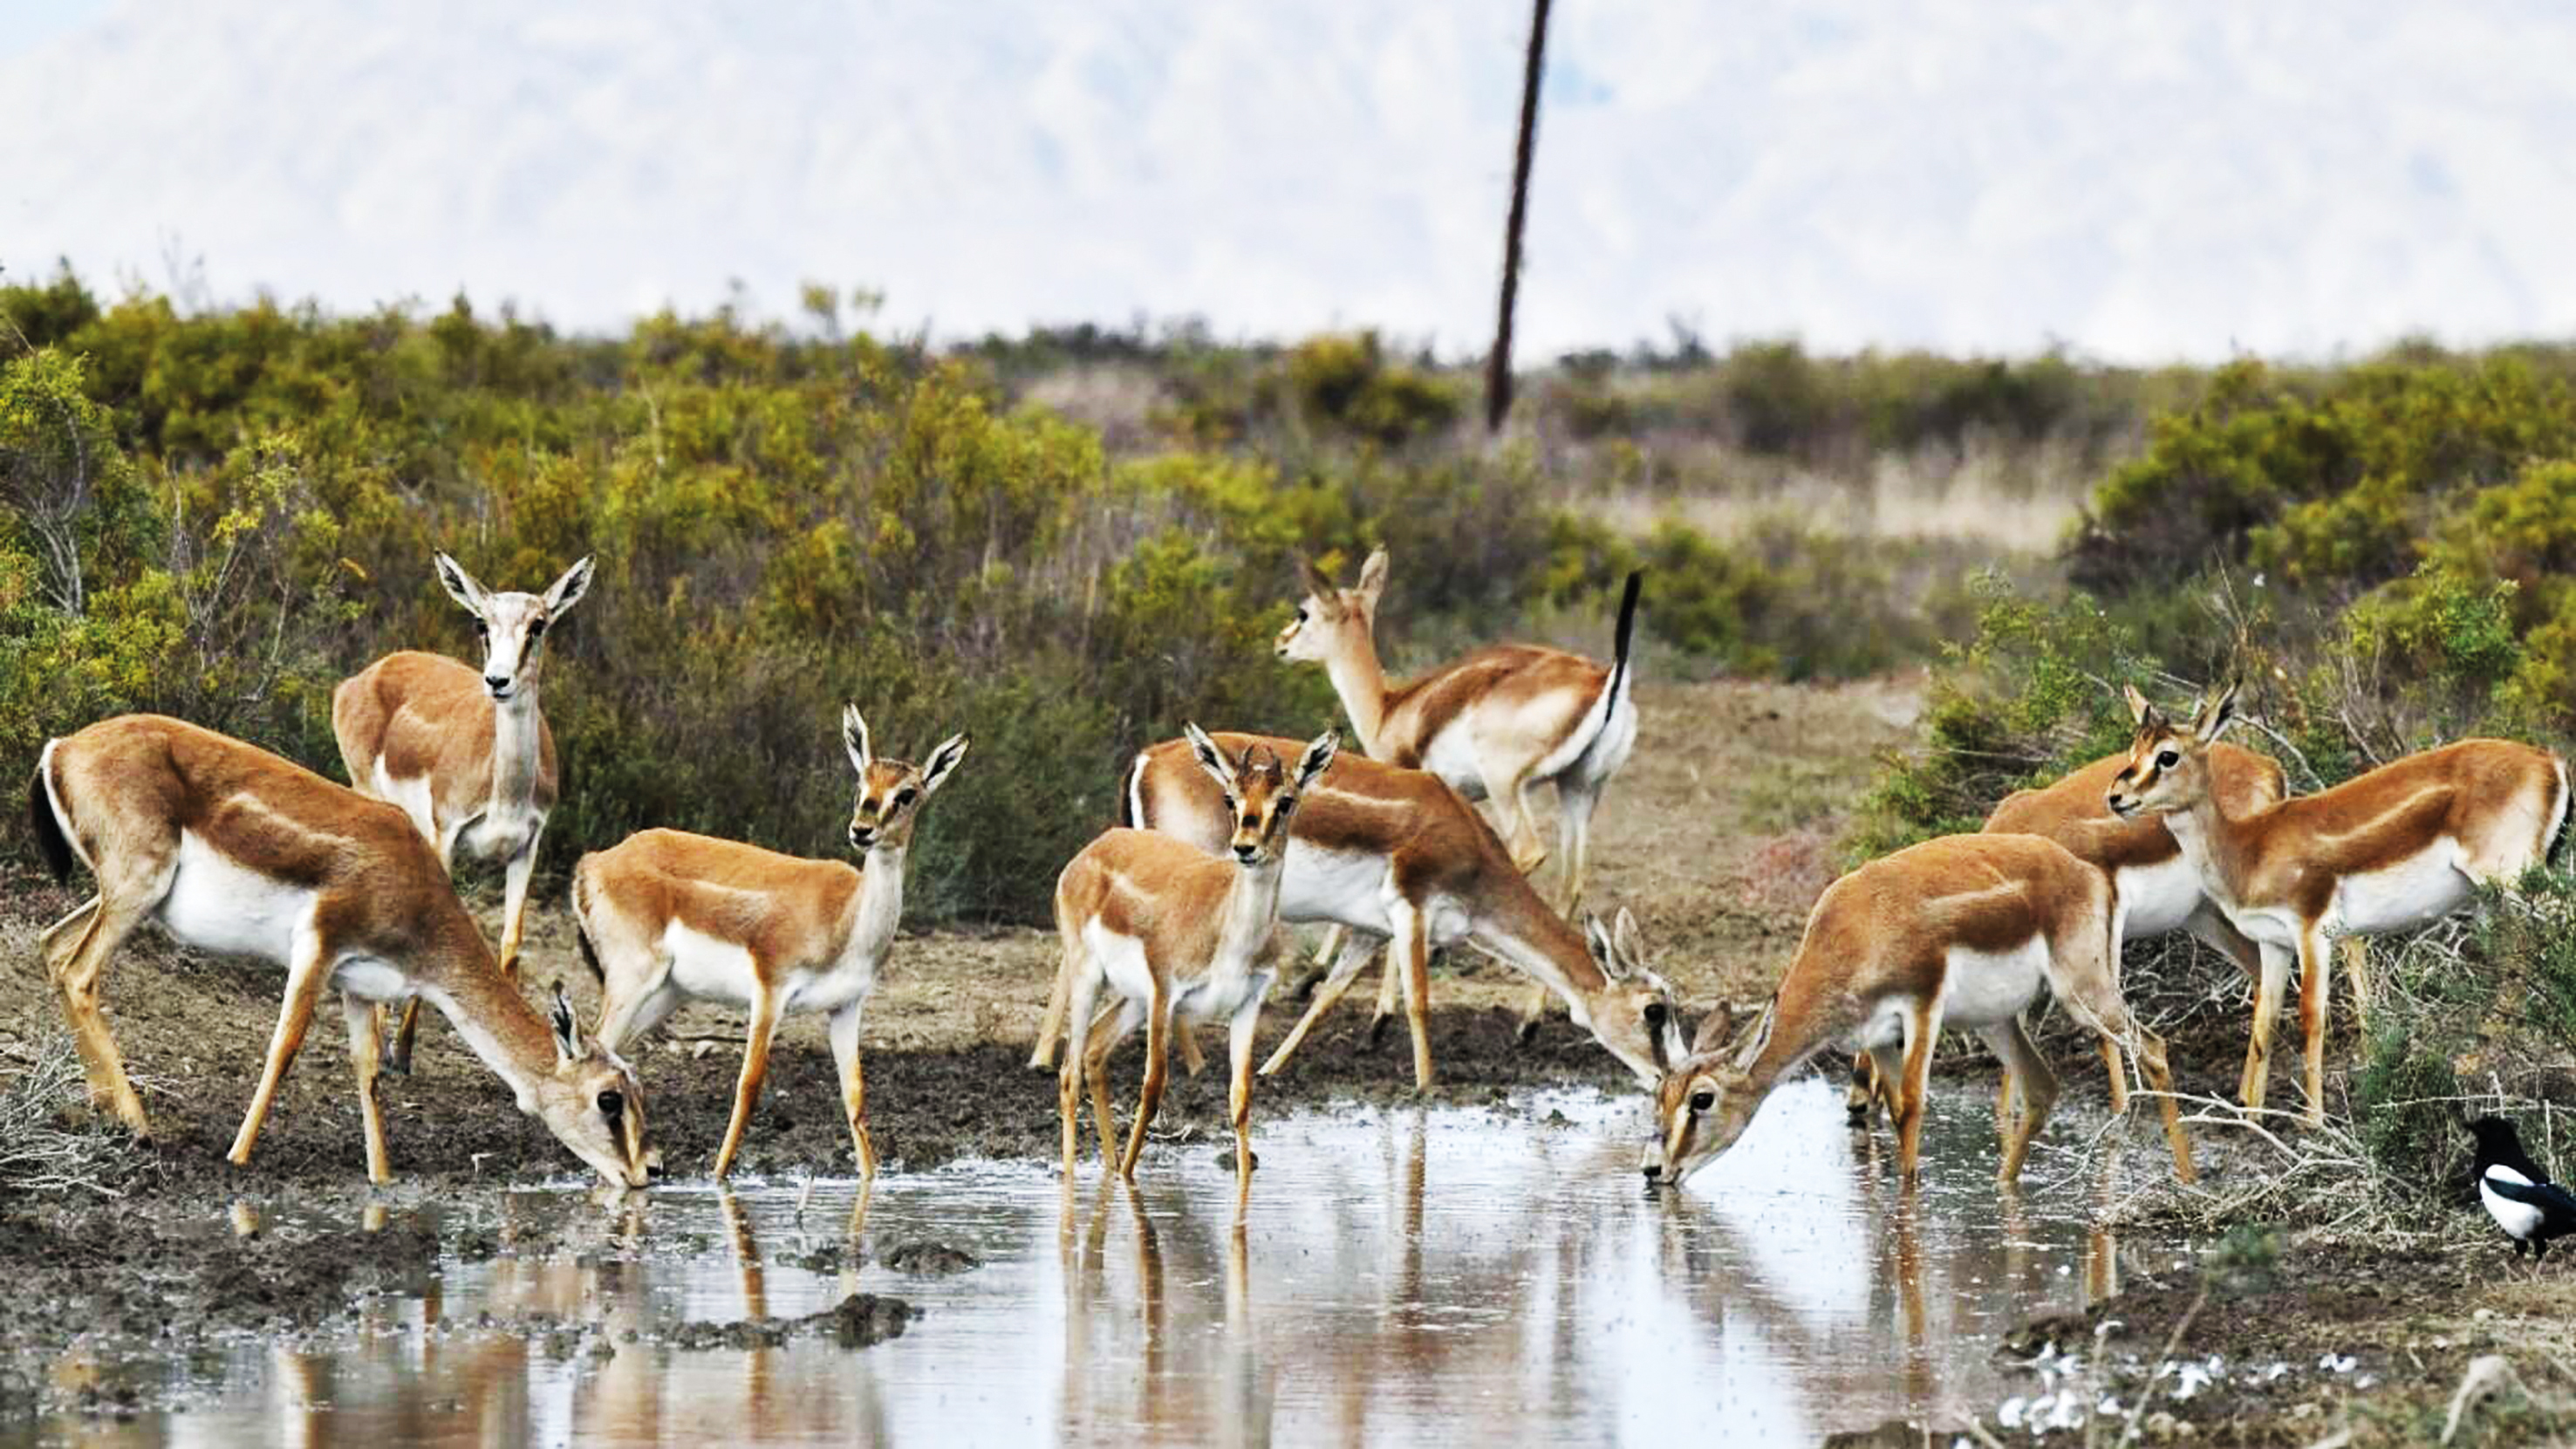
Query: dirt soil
pixel 1718 835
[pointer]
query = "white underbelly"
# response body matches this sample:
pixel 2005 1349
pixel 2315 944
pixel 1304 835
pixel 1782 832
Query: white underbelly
pixel 830 989
pixel 371 978
pixel 1983 988
pixel 1342 886
pixel 215 904
pixel 2401 896
pixel 1452 757
pixel 2157 898
pixel 2518 1219
pixel 707 969
pixel 1121 959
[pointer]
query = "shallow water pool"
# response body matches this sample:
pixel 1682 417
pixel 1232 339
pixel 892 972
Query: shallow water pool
pixel 1399 1276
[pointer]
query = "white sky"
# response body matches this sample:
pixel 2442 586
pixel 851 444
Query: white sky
pixel 2142 181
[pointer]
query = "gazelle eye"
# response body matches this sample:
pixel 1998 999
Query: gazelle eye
pixel 1655 1013
pixel 2168 759
pixel 1702 1100
pixel 537 629
pixel 612 1104
pixel 1301 613
pixel 903 797
pixel 482 629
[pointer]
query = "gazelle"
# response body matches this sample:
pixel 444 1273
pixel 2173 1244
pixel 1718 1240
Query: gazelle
pixel 1181 935
pixel 1963 931
pixel 2159 891
pixel 467 756
pixel 234 850
pixel 2384 851
pixel 1394 854
pixel 1494 725
pixel 667 917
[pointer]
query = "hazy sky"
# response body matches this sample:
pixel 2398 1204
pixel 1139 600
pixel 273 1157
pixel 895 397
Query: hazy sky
pixel 2137 180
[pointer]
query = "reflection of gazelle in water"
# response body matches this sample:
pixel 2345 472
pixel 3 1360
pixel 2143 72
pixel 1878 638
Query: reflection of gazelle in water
pixel 1967 929
pixel 1156 1359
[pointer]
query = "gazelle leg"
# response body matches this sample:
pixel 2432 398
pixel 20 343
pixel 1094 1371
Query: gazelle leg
pixel 1303 984
pixel 514 900
pixel 1103 1038
pixel 365 1054
pixel 2119 1075
pixel 758 1032
pixel 1390 997
pixel 844 1031
pixel 2267 1012
pixel 2096 1001
pixel 1914 1089
pixel 2024 1065
pixel 2316 987
pixel 1077 985
pixel 1238 1098
pixel 2211 929
pixel 1409 950
pixel 1188 1041
pixel 306 972
pixel 398 1058
pixel 2356 971
pixel 1863 1091
pixel 1158 1040
pixel 1357 947
pixel 76 951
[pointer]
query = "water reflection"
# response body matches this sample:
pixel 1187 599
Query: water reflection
pixel 1416 1275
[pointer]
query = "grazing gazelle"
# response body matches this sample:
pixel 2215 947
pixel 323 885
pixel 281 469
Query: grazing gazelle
pixel 1495 725
pixel 467 756
pixel 1962 931
pixel 2384 851
pixel 1391 853
pixel 668 917
pixel 1180 935
pixel 234 850
pixel 2159 890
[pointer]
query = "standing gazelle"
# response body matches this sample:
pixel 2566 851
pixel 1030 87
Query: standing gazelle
pixel 467 756
pixel 1495 725
pixel 1180 935
pixel 668 917
pixel 234 850
pixel 2387 850
pixel 1962 931
pixel 1394 854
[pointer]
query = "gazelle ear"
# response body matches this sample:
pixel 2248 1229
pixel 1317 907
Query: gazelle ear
pixel 1323 589
pixel 1319 754
pixel 1605 953
pixel 1623 934
pixel 1211 757
pixel 1373 577
pixel 2141 711
pixel 943 762
pixel 2216 714
pixel 567 1030
pixel 459 584
pixel 854 738
pixel 1714 1030
pixel 567 591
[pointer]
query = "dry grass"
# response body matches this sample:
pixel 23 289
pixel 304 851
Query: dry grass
pixel 39 1152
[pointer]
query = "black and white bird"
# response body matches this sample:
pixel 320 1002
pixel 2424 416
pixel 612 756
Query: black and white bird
pixel 2517 1194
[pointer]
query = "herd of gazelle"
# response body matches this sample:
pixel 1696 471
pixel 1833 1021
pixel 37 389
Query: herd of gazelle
pixel 1223 837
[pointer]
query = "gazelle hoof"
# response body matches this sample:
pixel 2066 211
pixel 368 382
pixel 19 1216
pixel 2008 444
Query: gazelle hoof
pixel 1377 1028
pixel 1526 1031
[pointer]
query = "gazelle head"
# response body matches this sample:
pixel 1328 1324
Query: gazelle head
pixel 1632 1014
pixel 592 1102
pixel 1331 618
pixel 513 625
pixel 1260 794
pixel 891 792
pixel 1701 1106
pixel 2168 769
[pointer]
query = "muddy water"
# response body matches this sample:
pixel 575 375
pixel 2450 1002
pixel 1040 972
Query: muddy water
pixel 1400 1276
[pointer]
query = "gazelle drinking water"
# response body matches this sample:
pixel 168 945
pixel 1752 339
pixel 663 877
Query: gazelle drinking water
pixel 1394 854
pixel 467 756
pixel 1494 725
pixel 1180 935
pixel 2387 850
pixel 1963 931
pixel 668 917
pixel 234 850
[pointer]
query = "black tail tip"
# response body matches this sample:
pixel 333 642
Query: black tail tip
pixel 1628 606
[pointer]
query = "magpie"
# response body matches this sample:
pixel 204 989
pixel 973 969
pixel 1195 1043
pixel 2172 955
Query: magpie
pixel 2517 1194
